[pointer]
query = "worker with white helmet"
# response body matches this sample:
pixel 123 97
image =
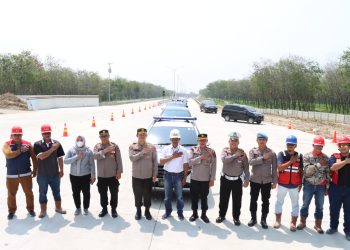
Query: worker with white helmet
pixel 175 160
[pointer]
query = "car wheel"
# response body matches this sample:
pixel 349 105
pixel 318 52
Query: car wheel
pixel 235 120
pixel 227 118
pixel 259 122
pixel 251 120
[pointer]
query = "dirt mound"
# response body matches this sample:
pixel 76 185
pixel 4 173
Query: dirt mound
pixel 10 101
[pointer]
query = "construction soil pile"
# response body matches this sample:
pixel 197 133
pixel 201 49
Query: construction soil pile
pixel 10 101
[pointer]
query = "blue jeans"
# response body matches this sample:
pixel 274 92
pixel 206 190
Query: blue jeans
pixel 338 197
pixel 46 181
pixel 173 181
pixel 309 191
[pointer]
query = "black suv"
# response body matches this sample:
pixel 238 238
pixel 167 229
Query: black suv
pixel 209 106
pixel 241 112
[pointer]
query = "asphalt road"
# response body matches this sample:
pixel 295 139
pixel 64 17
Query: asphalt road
pixel 90 232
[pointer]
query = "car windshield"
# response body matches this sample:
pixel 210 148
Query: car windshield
pixel 160 135
pixel 209 102
pixel 176 113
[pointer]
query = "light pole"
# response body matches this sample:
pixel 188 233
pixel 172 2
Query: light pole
pixel 109 80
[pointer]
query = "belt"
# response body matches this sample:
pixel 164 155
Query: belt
pixel 230 178
pixel 173 173
pixel 18 175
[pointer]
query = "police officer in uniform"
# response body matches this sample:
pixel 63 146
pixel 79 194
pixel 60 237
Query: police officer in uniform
pixel 109 171
pixel 144 160
pixel 235 169
pixel 264 177
pixel 203 163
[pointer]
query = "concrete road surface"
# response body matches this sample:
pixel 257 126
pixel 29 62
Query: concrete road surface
pixel 90 232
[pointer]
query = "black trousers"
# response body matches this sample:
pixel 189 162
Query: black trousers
pixel 142 191
pixel 199 189
pixel 226 188
pixel 81 184
pixel 103 185
pixel 255 189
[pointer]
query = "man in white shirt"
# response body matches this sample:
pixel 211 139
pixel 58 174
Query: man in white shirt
pixel 175 160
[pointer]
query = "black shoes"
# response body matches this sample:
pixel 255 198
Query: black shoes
pixel 194 216
pixel 10 216
pixel 103 213
pixel 332 231
pixel 114 212
pixel 264 224
pixel 237 222
pixel 252 222
pixel 181 216
pixel 204 217
pixel 165 216
pixel 32 213
pixel 138 214
pixel 220 219
pixel 148 214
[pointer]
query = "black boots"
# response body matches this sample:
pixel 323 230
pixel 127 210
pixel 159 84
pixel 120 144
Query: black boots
pixel 114 212
pixel 263 221
pixel 194 216
pixel 252 221
pixel 103 212
pixel 204 217
pixel 138 213
pixel 148 214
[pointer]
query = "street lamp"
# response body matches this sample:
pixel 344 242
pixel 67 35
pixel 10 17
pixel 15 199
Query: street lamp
pixel 109 86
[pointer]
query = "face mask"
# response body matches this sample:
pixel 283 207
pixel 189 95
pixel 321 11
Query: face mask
pixel 80 144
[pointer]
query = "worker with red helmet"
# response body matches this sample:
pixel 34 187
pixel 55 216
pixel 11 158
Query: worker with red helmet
pixel 18 154
pixel 316 180
pixel 49 153
pixel 339 190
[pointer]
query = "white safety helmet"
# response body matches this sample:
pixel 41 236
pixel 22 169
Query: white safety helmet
pixel 174 133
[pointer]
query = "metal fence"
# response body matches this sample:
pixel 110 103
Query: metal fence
pixel 310 115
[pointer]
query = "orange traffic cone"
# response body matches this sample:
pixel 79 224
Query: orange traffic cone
pixel 65 131
pixel 123 115
pixel 139 109
pixel 132 111
pixel 334 137
pixel 145 108
pixel 112 117
pixel 93 122
pixel 289 125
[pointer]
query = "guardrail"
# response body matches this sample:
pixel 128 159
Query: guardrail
pixel 120 102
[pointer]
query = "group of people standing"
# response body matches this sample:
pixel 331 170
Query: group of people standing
pixel 289 171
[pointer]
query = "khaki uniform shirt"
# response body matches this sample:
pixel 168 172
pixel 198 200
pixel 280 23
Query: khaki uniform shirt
pixel 202 170
pixel 144 166
pixel 110 164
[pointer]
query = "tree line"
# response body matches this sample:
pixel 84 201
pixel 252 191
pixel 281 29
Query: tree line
pixel 290 83
pixel 26 74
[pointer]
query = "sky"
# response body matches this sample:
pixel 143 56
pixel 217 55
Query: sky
pixel 198 41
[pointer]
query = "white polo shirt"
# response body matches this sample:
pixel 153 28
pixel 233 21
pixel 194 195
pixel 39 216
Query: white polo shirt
pixel 175 165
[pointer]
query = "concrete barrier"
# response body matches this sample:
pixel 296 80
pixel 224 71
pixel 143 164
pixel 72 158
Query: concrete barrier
pixel 41 102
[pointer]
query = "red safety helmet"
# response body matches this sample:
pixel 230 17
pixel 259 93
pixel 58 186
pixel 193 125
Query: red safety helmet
pixel 46 128
pixel 16 130
pixel 319 141
pixel 343 140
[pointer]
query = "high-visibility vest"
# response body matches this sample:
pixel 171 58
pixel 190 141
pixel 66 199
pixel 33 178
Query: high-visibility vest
pixel 293 173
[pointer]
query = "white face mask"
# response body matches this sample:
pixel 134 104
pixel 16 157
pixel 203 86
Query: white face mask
pixel 80 144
